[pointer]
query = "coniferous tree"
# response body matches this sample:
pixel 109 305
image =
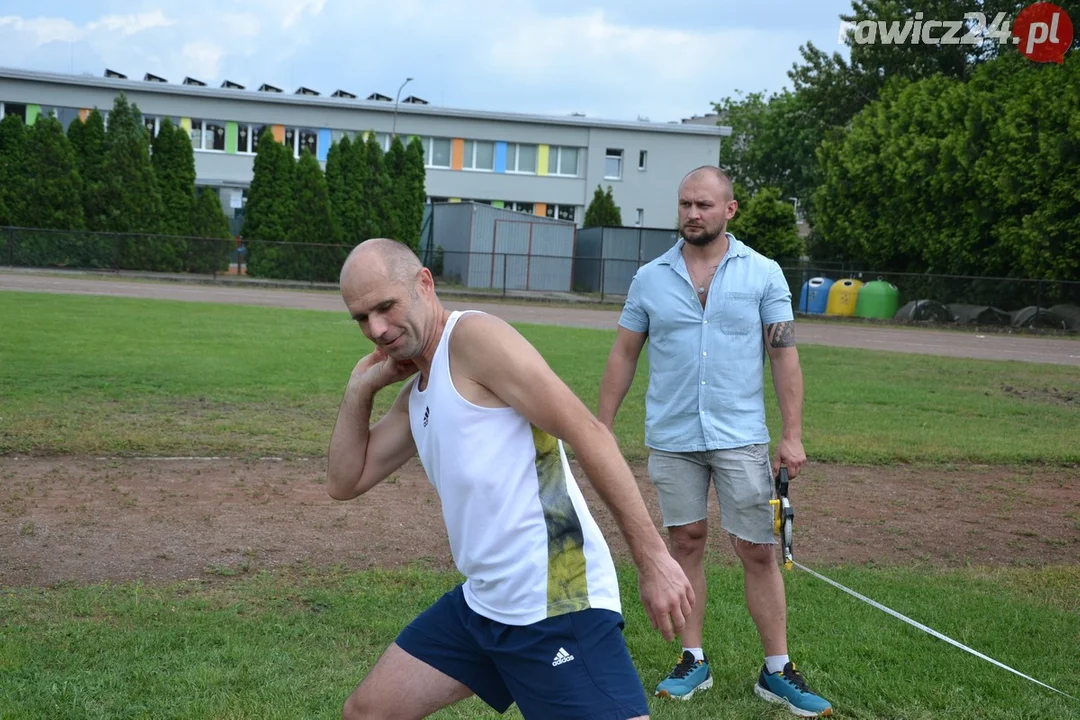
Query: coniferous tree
pixel 376 190
pixel 88 142
pixel 414 176
pixel 397 201
pixel 209 247
pixel 132 194
pixel 335 181
pixel 53 199
pixel 173 161
pixel 319 258
pixel 602 211
pixel 12 170
pixel 268 214
pixel 356 223
pixel 54 189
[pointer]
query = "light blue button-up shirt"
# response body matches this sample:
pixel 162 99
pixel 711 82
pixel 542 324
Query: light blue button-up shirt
pixel 706 365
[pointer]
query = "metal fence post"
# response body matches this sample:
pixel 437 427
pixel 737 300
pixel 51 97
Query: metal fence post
pixel 505 255
pixel 603 264
pixel 11 246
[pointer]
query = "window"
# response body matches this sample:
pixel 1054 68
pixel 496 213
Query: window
pixel 207 135
pixel 563 161
pixel 67 116
pixel 13 109
pixel 479 155
pixel 247 138
pixel 521 158
pixel 613 164
pixel 642 159
pixel 519 206
pixel 437 152
pixel 309 140
pixel 562 212
pixel 640 217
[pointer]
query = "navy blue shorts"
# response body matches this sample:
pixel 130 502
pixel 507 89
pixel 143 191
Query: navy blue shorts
pixel 569 667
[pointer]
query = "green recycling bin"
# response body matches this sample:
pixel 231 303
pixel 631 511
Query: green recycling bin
pixel 877 299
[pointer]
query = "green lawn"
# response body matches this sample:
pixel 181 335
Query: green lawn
pixel 293 645
pixel 95 375
pixel 84 374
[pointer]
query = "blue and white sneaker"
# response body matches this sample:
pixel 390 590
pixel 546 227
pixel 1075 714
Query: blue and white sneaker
pixel 688 677
pixel 788 688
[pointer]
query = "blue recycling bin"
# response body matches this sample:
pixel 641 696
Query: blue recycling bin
pixel 814 297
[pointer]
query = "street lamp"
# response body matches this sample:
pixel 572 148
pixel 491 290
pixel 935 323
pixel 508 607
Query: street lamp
pixel 407 81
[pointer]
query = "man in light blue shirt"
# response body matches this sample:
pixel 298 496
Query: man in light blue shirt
pixel 711 309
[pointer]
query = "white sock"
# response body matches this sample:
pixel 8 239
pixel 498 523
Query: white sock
pixel 776 663
pixel 696 652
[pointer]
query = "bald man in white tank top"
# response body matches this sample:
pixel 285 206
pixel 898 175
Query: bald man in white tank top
pixel 538 620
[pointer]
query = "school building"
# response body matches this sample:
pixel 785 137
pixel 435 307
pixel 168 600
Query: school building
pixel 541 165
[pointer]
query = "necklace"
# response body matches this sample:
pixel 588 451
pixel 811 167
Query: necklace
pixel 701 286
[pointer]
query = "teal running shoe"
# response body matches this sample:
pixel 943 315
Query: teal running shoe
pixel 688 677
pixel 788 688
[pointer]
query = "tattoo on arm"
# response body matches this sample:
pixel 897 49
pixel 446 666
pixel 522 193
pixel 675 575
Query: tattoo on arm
pixel 780 335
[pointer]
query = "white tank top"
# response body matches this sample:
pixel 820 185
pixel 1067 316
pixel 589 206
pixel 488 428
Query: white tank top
pixel 519 529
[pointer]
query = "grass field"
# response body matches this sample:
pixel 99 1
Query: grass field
pixel 90 375
pixel 292 645
pixel 109 375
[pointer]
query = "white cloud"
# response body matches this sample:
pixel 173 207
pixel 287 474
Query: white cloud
pixel 204 58
pixel 513 55
pixel 127 25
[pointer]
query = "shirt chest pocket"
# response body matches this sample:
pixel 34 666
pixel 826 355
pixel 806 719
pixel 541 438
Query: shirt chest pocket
pixel 739 313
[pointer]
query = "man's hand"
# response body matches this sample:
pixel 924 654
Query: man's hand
pixel 789 454
pixel 377 370
pixel 666 594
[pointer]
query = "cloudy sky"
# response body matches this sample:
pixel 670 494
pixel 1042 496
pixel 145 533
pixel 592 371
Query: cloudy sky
pixel 621 59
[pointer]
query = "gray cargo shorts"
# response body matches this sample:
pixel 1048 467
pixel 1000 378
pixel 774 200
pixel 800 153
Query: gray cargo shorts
pixel 743 481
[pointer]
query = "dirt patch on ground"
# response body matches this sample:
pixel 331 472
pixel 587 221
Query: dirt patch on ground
pixel 92 520
pixel 1046 394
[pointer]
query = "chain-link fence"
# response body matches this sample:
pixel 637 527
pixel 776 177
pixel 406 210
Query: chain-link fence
pixel 1017 302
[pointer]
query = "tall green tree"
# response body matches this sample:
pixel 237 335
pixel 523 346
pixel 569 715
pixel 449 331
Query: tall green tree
pixel 414 178
pixel 602 211
pixel 88 141
pixel 53 200
pixel 336 160
pixel 54 188
pixel 13 170
pixel 268 215
pixel 209 249
pixel 320 257
pixel 767 224
pixel 969 178
pixel 376 190
pixel 398 192
pixel 173 161
pixel 133 194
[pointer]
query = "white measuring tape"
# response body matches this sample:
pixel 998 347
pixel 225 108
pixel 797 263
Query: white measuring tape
pixel 925 629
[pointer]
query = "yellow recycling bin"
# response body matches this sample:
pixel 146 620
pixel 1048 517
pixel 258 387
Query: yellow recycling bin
pixel 843 296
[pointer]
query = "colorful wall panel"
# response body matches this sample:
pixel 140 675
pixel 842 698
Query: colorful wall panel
pixel 279 132
pixel 32 112
pixel 84 113
pixel 542 159
pixel 186 124
pixel 324 144
pixel 540 209
pixel 231 134
pixel 457 153
pixel 498 203
pixel 500 157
